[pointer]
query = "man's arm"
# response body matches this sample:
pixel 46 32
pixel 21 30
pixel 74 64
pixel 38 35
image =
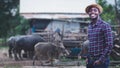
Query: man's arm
pixel 108 41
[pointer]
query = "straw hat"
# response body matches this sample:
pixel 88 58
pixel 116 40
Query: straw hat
pixel 94 5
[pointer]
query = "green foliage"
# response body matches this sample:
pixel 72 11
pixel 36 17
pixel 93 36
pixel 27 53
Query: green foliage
pixel 8 13
pixel 10 20
pixel 118 8
pixel 22 27
pixel 108 12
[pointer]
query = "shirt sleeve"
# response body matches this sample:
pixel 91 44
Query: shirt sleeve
pixel 108 41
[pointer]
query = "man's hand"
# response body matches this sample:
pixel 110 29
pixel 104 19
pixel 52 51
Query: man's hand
pixel 97 62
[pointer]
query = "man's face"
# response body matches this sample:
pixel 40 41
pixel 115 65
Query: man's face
pixel 94 13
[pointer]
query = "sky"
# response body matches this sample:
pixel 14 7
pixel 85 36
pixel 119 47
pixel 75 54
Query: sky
pixel 48 6
pixel 111 1
pixel 44 6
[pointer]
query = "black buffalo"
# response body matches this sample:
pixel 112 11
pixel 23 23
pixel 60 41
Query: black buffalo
pixel 25 43
pixel 11 43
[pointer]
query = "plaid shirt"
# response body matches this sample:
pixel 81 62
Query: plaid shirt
pixel 101 40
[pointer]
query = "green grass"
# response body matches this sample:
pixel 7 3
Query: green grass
pixel 2 44
pixel 1 40
pixel 1 47
pixel 11 66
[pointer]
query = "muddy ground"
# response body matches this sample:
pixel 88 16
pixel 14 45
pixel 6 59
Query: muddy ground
pixel 6 62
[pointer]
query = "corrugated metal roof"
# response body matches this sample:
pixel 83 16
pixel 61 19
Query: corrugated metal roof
pixel 53 16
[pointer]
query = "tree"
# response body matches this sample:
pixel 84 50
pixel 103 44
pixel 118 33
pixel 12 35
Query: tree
pixel 108 12
pixel 117 9
pixel 22 27
pixel 9 16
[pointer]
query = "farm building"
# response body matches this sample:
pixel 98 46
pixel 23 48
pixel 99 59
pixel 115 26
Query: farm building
pixel 46 17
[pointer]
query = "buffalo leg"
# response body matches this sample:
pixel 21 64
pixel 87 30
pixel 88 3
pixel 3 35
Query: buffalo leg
pixel 15 54
pixel 19 54
pixel 10 52
pixel 34 58
pixel 30 54
pixel 50 57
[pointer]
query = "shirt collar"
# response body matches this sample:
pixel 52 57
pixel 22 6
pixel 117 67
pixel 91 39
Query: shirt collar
pixel 97 23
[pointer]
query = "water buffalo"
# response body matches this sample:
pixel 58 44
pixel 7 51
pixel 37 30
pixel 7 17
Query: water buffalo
pixel 25 43
pixel 11 43
pixel 84 51
pixel 48 51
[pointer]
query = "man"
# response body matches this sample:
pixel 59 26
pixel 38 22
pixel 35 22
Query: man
pixel 58 40
pixel 100 38
pixel 57 35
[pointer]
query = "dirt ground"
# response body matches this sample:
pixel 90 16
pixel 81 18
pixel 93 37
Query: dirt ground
pixel 6 62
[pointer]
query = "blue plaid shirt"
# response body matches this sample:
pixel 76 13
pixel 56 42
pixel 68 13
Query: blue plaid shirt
pixel 101 40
